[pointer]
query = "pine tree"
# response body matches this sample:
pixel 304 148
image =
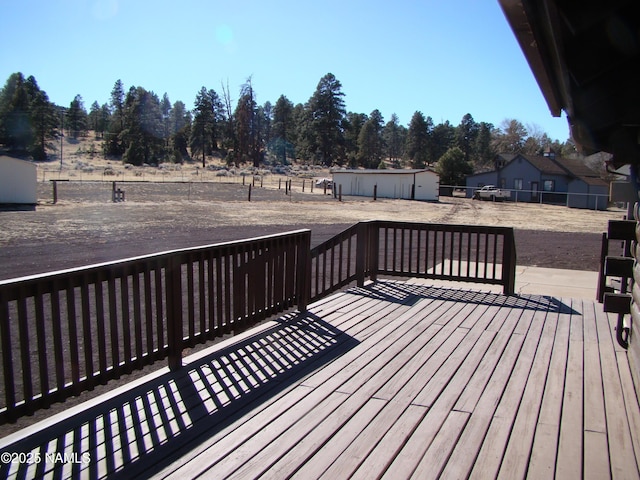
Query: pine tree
pixel 484 151
pixel 114 144
pixel 327 114
pixel 353 124
pixel 179 131
pixel 143 131
pixel 282 130
pixel 370 141
pixel 248 147
pixel 394 136
pixel 207 116
pixel 27 119
pixel 417 146
pixel 443 138
pixel 76 121
pixel 466 134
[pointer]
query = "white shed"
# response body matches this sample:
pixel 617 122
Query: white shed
pixel 419 184
pixel 18 181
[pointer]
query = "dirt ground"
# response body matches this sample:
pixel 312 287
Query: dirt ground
pixel 86 227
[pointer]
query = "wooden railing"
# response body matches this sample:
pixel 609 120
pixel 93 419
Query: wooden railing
pixel 466 253
pixel 64 332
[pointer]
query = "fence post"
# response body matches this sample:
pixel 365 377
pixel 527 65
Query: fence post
pixel 55 192
pixel 173 294
pixel 303 274
pixel 374 247
pixel 375 192
pixel 361 252
pixel 509 262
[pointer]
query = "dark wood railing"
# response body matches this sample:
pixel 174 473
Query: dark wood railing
pixel 466 253
pixel 64 332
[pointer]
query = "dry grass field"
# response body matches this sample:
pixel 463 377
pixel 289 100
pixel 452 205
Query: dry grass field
pixel 177 206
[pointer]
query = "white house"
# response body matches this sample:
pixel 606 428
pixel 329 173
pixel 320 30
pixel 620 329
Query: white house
pixel 420 184
pixel 18 181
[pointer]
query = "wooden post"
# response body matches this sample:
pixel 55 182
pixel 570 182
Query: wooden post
pixel 303 276
pixel 173 272
pixel 261 181
pixel 243 177
pixel 340 192
pixel 361 252
pixel 55 192
pixel 509 263
pixel 250 192
pixel 375 192
pixel 325 187
pixel 279 183
pixel 303 184
pixel 312 182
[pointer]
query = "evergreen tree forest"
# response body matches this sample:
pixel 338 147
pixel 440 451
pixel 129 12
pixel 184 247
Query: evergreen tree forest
pixel 139 127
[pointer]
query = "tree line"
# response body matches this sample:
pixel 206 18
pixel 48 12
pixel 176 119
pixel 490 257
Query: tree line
pixel 140 128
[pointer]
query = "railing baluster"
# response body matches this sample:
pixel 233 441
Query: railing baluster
pixel 211 289
pixel 148 311
pixel 126 320
pixel 486 254
pixel 137 318
pixel 73 337
pixel 100 329
pixel 87 326
pixel 113 324
pixel 42 346
pixel 191 321
pixel 56 327
pixel 202 296
pixel 160 287
pixel 7 358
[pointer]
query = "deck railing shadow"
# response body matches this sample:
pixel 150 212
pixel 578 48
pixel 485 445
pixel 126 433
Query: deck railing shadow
pixel 141 430
pixel 410 294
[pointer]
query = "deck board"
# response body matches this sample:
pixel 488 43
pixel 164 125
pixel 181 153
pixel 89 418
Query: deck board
pixel 391 380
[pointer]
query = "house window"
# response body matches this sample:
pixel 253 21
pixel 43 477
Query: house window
pixel 548 185
pixel 517 184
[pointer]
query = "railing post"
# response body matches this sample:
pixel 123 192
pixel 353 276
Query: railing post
pixel 509 263
pixel 303 275
pixel 361 252
pixel 174 311
pixel 374 246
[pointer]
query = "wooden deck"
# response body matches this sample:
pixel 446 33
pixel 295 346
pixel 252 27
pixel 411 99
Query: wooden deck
pixel 393 380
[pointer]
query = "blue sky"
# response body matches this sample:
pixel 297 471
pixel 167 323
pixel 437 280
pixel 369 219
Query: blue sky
pixel 443 58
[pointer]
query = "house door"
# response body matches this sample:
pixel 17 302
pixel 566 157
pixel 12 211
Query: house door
pixel 535 196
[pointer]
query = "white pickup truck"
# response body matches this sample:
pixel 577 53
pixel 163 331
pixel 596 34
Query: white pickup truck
pixel 490 192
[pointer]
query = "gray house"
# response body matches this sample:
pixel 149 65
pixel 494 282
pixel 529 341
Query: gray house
pixel 545 179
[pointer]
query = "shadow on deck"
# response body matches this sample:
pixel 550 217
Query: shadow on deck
pixel 136 429
pixel 390 380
